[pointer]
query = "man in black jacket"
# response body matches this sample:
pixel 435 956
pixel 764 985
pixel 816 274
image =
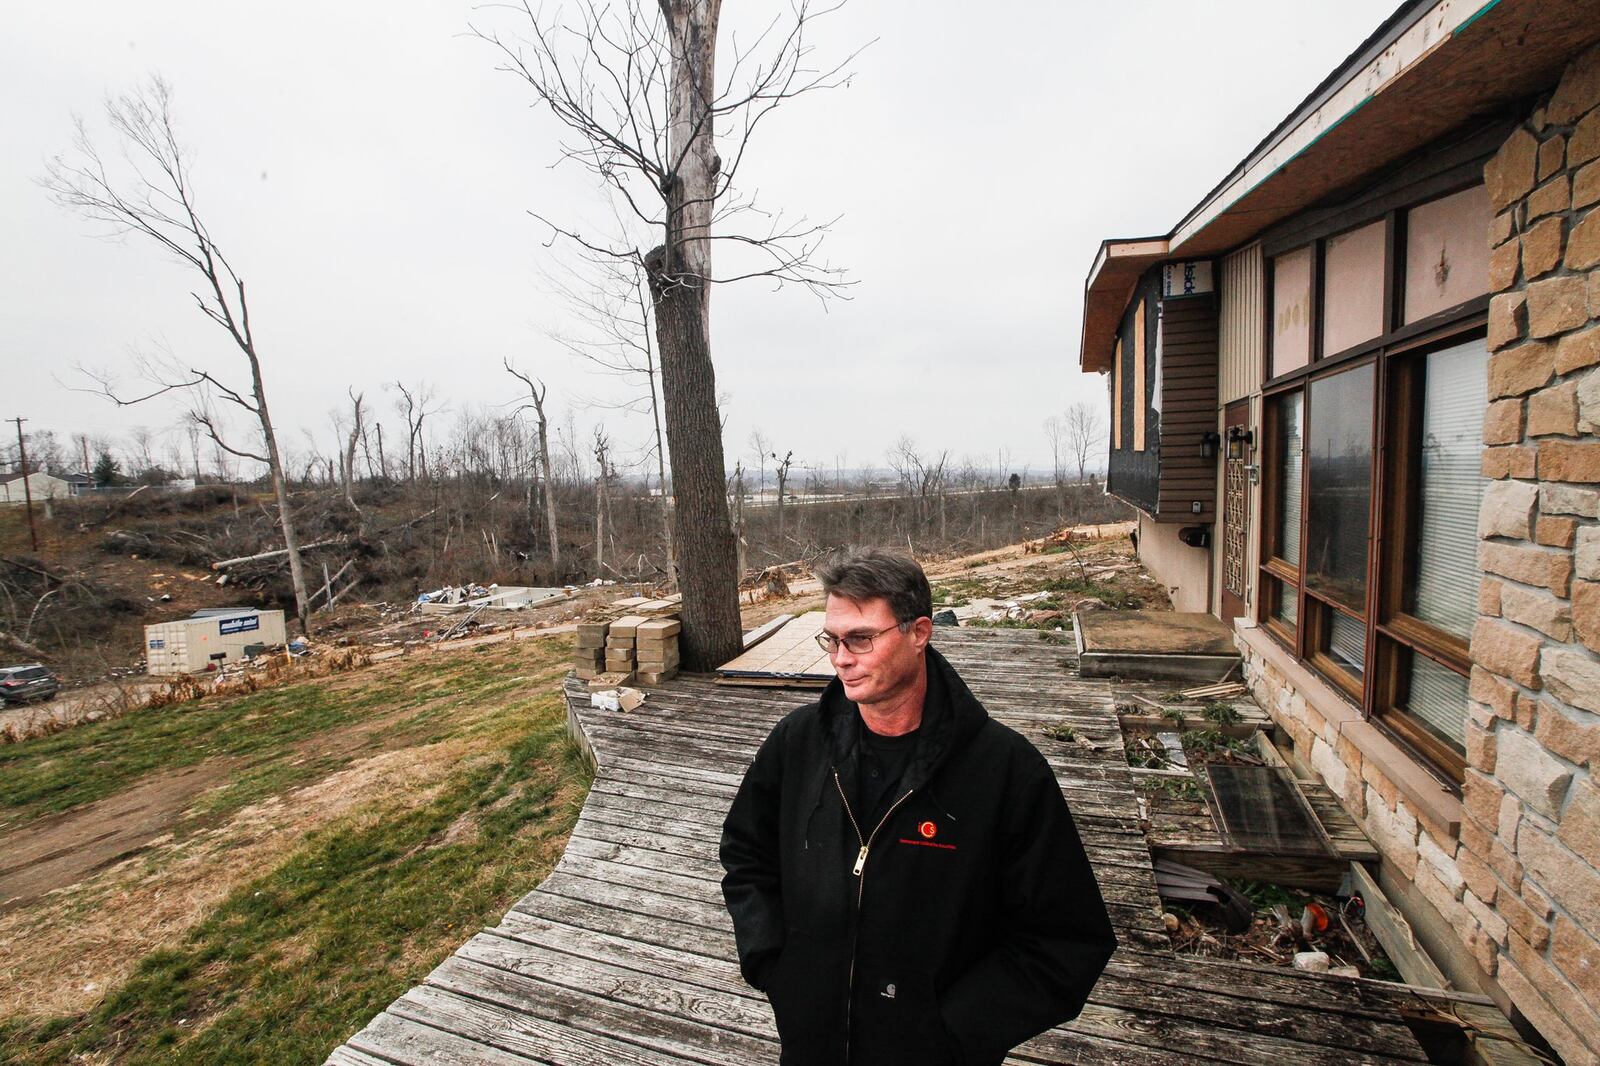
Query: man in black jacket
pixel 905 881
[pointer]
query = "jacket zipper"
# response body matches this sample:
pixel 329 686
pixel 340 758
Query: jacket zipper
pixel 861 887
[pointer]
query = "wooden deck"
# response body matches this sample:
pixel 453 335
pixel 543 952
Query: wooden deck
pixel 625 953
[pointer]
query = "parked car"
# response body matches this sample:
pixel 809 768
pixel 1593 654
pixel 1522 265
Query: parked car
pixel 19 684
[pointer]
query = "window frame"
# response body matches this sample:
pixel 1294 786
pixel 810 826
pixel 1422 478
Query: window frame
pixel 1397 355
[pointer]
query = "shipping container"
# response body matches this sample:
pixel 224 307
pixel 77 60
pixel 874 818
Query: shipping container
pixel 209 639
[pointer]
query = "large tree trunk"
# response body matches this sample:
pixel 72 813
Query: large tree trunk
pixel 549 496
pixel 679 273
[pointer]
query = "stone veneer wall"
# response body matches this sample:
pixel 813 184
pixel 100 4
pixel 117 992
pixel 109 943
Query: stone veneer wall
pixel 1520 883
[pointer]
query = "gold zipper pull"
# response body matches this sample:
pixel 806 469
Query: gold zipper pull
pixel 861 860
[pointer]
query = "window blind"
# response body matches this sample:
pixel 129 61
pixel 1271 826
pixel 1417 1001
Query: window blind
pixel 1439 699
pixel 1290 414
pixel 1455 395
pixel 1347 642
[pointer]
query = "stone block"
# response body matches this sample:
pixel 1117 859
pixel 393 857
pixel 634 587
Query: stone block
pixel 1586 187
pixel 1480 748
pixel 1577 92
pixel 1552 1025
pixel 1508 509
pixel 1502 422
pixel 1388 793
pixel 1522 919
pixel 1527 712
pixel 1325 761
pixel 1578 350
pixel 624 627
pixel 1506 866
pixel 1577 955
pixel 1551 198
pixel 1592 293
pixel 1584 144
pixel 1480 880
pixel 658 629
pixel 1586 553
pixel 1572 677
pixel 1502 227
pixel 1481 797
pixel 1541 248
pixel 1538 609
pixel 1508 317
pixel 1555 305
pixel 1519 370
pixel 1587 401
pixel 1573 461
pixel 1571 734
pixel 1569 499
pixel 1580 822
pixel 1492 690
pixel 1511 460
pixel 1555 531
pixel 1436 892
pixel 1492 923
pixel 1503 264
pixel 1583 247
pixel 1524 767
pixel 1442 862
pixel 1507 650
pixel 1554 411
pixel 1511 173
pixel 1489 597
pixel 1552 156
pixel 1570 882
pixel 1548 568
pixel 1586 613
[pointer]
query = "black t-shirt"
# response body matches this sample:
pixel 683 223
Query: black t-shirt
pixel 883 764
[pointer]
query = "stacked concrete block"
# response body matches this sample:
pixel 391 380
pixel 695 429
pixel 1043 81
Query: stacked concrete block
pixel 656 650
pixel 589 654
pixel 619 644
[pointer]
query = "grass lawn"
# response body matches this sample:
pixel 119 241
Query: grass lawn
pixel 303 953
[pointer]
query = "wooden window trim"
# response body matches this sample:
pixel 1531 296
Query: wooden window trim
pixel 1141 384
pixel 1389 631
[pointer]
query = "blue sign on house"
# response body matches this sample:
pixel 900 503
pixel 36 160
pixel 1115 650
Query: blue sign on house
pixel 239 625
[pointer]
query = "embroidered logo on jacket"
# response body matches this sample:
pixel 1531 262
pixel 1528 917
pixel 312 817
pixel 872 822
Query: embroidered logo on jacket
pixel 928 830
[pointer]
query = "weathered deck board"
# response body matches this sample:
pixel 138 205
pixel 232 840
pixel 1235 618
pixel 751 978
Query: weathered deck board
pixel 625 954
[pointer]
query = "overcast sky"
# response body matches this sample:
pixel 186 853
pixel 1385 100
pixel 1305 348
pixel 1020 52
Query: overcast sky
pixel 371 174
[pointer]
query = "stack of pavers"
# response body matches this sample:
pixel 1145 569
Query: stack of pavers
pixel 656 649
pixel 590 654
pixel 619 645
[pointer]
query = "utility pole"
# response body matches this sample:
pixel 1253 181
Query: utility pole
pixel 27 490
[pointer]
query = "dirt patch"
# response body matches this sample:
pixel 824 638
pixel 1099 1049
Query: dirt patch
pixel 62 850
pixel 63 952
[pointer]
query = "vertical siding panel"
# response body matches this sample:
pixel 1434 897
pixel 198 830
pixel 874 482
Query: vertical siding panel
pixel 1243 324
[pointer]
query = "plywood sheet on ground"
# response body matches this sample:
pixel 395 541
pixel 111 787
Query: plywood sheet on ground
pixel 790 652
pixel 1155 633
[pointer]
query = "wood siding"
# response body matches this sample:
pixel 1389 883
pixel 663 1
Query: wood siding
pixel 1243 324
pixel 1189 344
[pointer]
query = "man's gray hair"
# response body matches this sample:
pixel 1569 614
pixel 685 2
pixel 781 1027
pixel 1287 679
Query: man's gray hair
pixel 860 574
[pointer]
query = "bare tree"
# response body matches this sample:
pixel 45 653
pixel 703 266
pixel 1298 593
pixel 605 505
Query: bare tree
pixel 1085 432
pixel 611 298
pixel 634 83
pixel 157 201
pixel 537 390
pixel 602 496
pixel 781 468
pixel 414 407
pixel 347 458
pixel 762 446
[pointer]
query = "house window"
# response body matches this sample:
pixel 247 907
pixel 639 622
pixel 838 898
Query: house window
pixel 1371 466
pixel 1339 443
pixel 1447 254
pixel 1352 288
pixel 1291 310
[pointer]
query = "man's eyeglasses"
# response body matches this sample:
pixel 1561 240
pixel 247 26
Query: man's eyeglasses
pixel 855 643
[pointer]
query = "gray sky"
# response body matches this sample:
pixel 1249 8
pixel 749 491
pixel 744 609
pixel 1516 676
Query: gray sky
pixel 370 174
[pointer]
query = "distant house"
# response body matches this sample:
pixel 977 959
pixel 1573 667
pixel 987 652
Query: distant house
pixel 80 483
pixel 1354 398
pixel 43 487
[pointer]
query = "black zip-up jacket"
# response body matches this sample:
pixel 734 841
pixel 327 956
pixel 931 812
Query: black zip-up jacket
pixel 970 922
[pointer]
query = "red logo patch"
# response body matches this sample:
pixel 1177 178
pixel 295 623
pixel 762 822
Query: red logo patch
pixel 928 830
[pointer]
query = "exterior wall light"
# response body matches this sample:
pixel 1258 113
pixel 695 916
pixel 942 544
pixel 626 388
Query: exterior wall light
pixel 1208 444
pixel 1239 440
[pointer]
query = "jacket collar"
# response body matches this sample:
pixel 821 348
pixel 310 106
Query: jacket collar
pixel 951 714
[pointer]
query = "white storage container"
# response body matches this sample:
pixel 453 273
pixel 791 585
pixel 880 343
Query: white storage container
pixel 210 638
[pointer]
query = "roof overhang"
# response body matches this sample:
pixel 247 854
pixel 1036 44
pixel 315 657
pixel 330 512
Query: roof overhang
pixel 1117 269
pixel 1428 69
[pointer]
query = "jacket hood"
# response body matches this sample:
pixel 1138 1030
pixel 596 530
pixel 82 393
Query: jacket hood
pixel 951 716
